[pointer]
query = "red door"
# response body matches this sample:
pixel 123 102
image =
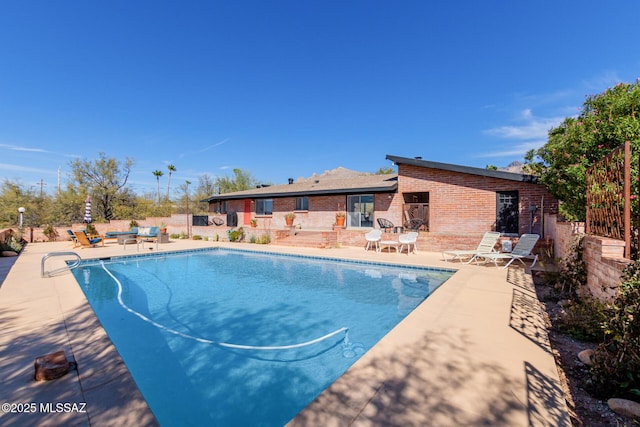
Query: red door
pixel 247 212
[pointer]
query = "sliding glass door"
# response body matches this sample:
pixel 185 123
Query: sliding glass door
pixel 360 211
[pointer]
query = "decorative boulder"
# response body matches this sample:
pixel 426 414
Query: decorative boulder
pixel 51 366
pixel 627 408
pixel 586 357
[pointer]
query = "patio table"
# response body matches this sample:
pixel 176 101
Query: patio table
pixel 389 244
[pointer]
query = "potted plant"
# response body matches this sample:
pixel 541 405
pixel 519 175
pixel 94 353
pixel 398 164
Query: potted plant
pixel 253 222
pixel 289 218
pixel 341 215
pixel 163 228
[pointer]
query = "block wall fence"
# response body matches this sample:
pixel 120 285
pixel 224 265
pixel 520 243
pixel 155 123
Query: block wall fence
pixel 604 257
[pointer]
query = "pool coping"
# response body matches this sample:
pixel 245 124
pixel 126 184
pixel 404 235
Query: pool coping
pixel 474 317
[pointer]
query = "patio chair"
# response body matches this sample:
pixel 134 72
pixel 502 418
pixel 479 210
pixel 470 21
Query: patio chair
pixel 85 242
pixel 74 239
pixel 486 245
pixel 521 251
pixel 413 224
pixel 409 240
pixel 386 225
pixel 373 237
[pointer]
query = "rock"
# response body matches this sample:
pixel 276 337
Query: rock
pixel 586 357
pixel 9 253
pixel 51 366
pixel 627 408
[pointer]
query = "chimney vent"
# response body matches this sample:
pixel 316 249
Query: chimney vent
pixel 290 181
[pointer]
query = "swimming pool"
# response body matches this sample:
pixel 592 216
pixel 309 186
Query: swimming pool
pixel 232 337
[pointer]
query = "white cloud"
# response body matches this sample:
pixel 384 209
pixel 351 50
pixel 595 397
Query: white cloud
pixel 18 148
pixel 19 168
pixel 518 150
pixel 530 128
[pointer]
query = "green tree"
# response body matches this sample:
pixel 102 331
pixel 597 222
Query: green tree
pixel 385 171
pixel 205 189
pixel 172 169
pixel 606 121
pixel 241 181
pixel 13 195
pixel 106 180
pixel 158 174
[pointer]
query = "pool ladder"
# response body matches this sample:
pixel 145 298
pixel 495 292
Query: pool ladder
pixel 59 270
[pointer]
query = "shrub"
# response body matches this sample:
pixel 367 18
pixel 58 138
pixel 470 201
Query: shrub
pixel 91 230
pixel 616 370
pixel 236 235
pixel 584 320
pixel 264 239
pixel 13 244
pixel 196 237
pixel 573 271
pixel 252 239
pixel 174 236
pixel 50 232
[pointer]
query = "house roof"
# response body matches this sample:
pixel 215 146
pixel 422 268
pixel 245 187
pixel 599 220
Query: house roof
pixel 317 186
pixel 416 161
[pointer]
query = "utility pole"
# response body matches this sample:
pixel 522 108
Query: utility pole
pixel 42 183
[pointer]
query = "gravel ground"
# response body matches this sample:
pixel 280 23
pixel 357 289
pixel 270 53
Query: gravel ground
pixel 585 410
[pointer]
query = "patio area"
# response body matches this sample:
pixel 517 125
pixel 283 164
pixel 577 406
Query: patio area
pixel 475 352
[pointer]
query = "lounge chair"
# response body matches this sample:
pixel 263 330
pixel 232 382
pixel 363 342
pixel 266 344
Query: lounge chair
pixel 409 240
pixel 74 239
pixel 373 237
pixel 386 225
pixel 521 251
pixel 486 245
pixel 85 242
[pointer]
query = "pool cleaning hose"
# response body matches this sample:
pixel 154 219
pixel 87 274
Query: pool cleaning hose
pixel 221 344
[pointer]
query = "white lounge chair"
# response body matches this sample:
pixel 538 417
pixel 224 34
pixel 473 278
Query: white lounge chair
pixel 486 245
pixel 373 237
pixel 521 251
pixel 409 240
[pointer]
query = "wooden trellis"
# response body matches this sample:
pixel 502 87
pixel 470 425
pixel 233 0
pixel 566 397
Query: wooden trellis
pixel 609 197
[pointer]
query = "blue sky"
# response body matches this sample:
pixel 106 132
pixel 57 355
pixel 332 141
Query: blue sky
pixel 286 88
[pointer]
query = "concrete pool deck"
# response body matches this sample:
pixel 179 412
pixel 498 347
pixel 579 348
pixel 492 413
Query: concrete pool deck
pixel 476 352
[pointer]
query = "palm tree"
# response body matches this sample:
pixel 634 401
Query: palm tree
pixel 158 174
pixel 171 170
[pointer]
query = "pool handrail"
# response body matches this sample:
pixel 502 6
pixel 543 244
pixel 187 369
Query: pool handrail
pixel 59 270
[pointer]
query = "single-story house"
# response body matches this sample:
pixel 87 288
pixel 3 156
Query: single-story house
pixel 314 201
pixel 452 204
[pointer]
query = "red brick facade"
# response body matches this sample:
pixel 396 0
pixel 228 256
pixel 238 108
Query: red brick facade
pixel 461 203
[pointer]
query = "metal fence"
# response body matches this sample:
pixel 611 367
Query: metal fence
pixel 609 197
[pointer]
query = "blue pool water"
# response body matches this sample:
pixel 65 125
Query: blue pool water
pixel 218 337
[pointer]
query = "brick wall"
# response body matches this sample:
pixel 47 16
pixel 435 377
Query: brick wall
pixel 466 203
pixel 604 260
pixel 603 257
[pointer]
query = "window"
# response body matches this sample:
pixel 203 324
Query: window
pixel 220 207
pixel 302 203
pixel 360 211
pixel 507 212
pixel 264 206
